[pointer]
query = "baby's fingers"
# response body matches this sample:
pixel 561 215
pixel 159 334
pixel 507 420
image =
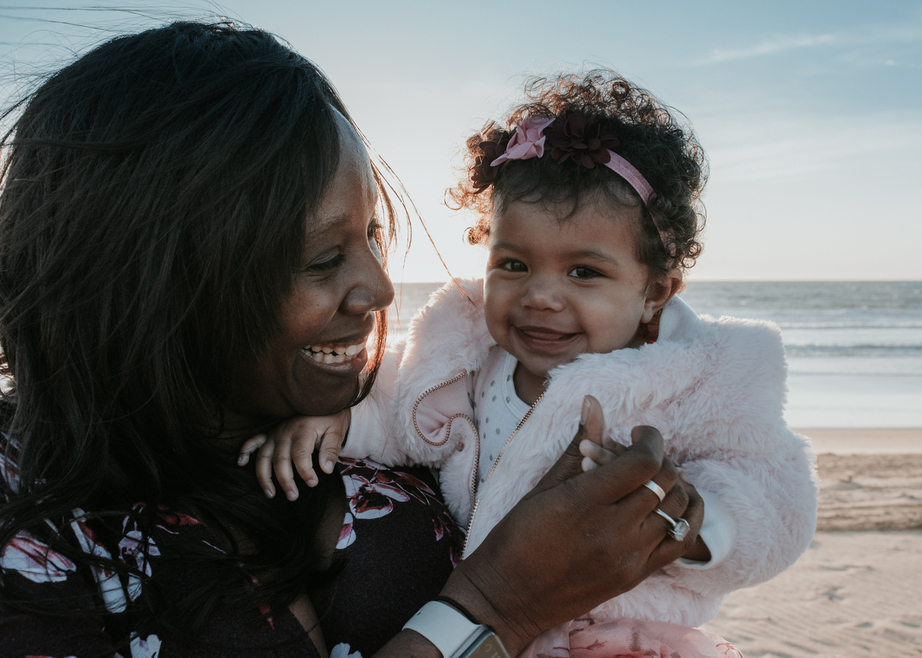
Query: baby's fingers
pixel 302 454
pixel 281 465
pixel 249 447
pixel 597 455
pixel 264 468
pixel 593 454
pixel 330 445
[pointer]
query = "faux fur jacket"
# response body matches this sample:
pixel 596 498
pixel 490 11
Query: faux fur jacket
pixel 714 388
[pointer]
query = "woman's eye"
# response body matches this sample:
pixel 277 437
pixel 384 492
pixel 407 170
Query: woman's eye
pixel 581 272
pixel 326 265
pixel 374 230
pixel 513 266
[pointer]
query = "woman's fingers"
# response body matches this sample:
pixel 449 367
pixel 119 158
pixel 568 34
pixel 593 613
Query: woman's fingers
pixel 689 546
pixel 659 486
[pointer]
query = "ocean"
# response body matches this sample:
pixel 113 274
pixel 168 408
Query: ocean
pixel 854 349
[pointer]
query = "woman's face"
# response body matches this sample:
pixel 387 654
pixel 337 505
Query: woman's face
pixel 312 366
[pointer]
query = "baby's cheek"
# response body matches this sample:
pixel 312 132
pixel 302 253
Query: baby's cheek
pixel 497 323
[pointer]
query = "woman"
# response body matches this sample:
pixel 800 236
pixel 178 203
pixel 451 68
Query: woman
pixel 188 217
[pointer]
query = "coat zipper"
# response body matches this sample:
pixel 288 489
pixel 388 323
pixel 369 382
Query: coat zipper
pixel 473 483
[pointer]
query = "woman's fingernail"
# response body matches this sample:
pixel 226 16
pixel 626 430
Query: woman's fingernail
pixel 291 494
pixel 584 412
pixel 242 460
pixel 269 493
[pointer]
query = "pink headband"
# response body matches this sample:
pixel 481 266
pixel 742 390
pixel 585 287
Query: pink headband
pixel 570 137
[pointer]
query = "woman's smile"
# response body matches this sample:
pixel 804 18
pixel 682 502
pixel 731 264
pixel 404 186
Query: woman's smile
pixel 347 357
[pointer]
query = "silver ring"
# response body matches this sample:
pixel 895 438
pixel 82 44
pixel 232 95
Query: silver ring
pixel 678 527
pixel 655 488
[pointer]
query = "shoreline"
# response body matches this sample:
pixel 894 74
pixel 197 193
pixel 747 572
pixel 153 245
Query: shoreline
pixel 864 440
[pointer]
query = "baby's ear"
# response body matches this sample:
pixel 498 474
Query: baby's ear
pixel 661 291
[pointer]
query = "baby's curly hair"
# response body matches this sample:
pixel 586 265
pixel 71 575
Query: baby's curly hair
pixel 660 146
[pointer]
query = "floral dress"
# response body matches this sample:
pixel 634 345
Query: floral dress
pixel 397 546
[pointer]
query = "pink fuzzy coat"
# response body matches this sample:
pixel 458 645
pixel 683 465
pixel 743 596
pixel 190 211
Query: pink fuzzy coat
pixel 714 388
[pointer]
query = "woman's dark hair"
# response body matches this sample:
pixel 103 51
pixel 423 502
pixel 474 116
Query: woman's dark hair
pixel 651 138
pixel 155 195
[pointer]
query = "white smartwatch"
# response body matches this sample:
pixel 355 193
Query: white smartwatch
pixel 453 634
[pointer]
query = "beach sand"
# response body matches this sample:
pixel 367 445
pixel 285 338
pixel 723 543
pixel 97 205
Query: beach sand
pixel 857 591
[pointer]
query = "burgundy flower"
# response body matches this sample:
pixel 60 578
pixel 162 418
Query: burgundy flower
pixel 175 518
pixel 580 138
pixel 31 558
pixel 414 487
pixel 371 500
pixel 483 175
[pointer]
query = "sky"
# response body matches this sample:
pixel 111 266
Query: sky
pixel 810 112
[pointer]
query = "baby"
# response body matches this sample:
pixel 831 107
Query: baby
pixel 589 206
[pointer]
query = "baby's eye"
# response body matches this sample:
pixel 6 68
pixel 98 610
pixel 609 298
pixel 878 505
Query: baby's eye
pixel 513 266
pixel 582 272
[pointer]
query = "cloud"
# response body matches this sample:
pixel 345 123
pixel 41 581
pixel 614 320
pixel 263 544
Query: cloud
pixel 780 44
pixel 771 46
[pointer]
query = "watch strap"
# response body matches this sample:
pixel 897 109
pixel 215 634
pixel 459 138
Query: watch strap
pixel 448 629
pixel 485 645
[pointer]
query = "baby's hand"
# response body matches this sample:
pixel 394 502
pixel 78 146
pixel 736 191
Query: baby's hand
pixel 595 455
pixel 294 440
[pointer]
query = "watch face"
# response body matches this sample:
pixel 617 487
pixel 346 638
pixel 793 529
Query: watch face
pixel 487 645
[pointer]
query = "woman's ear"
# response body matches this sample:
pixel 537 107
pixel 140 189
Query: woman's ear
pixel 661 291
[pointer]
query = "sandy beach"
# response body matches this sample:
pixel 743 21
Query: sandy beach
pixel 856 590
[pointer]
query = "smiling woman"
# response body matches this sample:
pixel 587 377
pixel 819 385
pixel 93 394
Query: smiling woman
pixel 312 366
pixel 191 240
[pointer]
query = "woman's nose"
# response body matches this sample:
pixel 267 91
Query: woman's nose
pixel 541 294
pixel 372 292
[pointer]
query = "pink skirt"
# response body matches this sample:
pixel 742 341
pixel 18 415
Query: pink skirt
pixel 628 638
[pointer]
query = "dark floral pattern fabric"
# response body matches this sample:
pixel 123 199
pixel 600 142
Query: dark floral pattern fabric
pixel 397 543
pixel 416 544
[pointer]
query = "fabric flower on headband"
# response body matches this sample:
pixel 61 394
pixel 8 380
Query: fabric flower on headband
pixel 527 141
pixel 581 138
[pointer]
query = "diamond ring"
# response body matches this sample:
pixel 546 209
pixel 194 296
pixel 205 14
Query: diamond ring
pixel 655 488
pixel 679 527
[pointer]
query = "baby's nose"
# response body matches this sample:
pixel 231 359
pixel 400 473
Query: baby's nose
pixel 542 293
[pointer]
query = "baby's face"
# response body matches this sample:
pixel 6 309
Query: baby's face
pixel 555 290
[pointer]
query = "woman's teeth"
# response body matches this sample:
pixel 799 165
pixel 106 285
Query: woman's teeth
pixel 328 354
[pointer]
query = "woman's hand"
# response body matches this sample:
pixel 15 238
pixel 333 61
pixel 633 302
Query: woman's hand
pixel 596 454
pixel 577 539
